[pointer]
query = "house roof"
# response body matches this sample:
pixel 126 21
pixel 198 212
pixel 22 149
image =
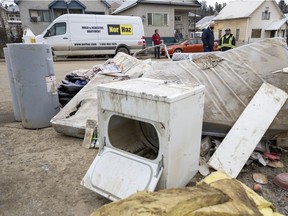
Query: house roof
pixel 12 9
pixel 276 25
pixel 204 22
pixel 131 3
pixel 191 14
pixel 62 4
pixel 106 3
pixel 238 9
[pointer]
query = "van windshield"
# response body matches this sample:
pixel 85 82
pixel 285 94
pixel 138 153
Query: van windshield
pixel 56 29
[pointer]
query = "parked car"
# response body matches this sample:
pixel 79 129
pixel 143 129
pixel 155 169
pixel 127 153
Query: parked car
pixel 188 46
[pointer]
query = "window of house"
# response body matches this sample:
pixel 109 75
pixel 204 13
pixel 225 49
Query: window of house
pixel 266 14
pixel 219 34
pixel 256 33
pixel 56 29
pixel 40 16
pixel 96 12
pixel 237 34
pixel 11 17
pixel 178 18
pixel 157 19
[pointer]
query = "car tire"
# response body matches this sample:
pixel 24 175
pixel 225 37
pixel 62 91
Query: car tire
pixel 178 51
pixel 123 49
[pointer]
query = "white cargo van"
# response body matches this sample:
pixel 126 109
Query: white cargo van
pixel 84 34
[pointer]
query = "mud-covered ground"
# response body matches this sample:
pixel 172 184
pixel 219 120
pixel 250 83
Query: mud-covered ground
pixel 41 170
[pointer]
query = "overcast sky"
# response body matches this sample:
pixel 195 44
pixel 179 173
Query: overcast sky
pixel 212 2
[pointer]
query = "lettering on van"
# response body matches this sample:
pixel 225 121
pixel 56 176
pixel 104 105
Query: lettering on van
pixel 120 29
pixel 93 29
pixel 95 44
pixel 85 44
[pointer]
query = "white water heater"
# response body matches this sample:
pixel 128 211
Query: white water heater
pixel 149 132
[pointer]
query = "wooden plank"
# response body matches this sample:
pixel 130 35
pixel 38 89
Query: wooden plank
pixel 248 130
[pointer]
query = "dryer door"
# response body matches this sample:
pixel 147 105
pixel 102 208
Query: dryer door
pixel 116 175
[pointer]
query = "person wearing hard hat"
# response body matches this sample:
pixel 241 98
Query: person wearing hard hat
pixel 227 41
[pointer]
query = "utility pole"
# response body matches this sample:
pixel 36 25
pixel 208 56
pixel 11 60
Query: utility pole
pixel 67 4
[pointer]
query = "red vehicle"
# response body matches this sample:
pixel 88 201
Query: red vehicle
pixel 188 46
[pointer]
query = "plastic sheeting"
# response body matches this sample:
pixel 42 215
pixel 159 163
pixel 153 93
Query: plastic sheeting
pixel 231 79
pixel 71 120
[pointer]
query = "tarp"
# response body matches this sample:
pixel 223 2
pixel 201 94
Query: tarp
pixel 231 79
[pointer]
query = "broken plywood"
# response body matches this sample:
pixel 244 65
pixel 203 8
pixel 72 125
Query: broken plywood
pixel 248 130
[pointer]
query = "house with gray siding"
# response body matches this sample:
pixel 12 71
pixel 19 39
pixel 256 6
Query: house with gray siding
pixel 166 16
pixel 37 15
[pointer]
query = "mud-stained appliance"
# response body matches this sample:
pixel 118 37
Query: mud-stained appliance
pixel 149 134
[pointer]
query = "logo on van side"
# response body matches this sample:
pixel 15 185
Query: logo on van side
pixel 120 29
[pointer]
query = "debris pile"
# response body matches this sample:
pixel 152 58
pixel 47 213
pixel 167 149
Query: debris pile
pixel 71 120
pixel 245 105
pixel 231 80
pixel 76 80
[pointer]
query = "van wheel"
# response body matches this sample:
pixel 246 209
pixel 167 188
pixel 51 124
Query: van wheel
pixel 178 51
pixel 123 49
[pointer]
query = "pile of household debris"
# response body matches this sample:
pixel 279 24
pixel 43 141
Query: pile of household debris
pixel 245 120
pixel 76 80
pixel 231 80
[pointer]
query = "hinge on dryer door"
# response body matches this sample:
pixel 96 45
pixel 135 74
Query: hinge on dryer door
pixel 159 167
pixel 101 146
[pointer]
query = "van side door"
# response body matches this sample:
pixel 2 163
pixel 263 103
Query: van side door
pixel 59 39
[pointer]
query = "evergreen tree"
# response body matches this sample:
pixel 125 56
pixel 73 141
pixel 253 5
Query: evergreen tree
pixel 219 7
pixel 283 6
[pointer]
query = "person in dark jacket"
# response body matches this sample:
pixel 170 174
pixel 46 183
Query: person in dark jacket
pixel 227 41
pixel 208 38
pixel 156 41
pixel 178 35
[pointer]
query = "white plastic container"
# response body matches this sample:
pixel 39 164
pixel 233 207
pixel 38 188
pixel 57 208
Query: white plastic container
pixel 28 36
pixel 15 104
pixel 35 83
pixel 149 135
